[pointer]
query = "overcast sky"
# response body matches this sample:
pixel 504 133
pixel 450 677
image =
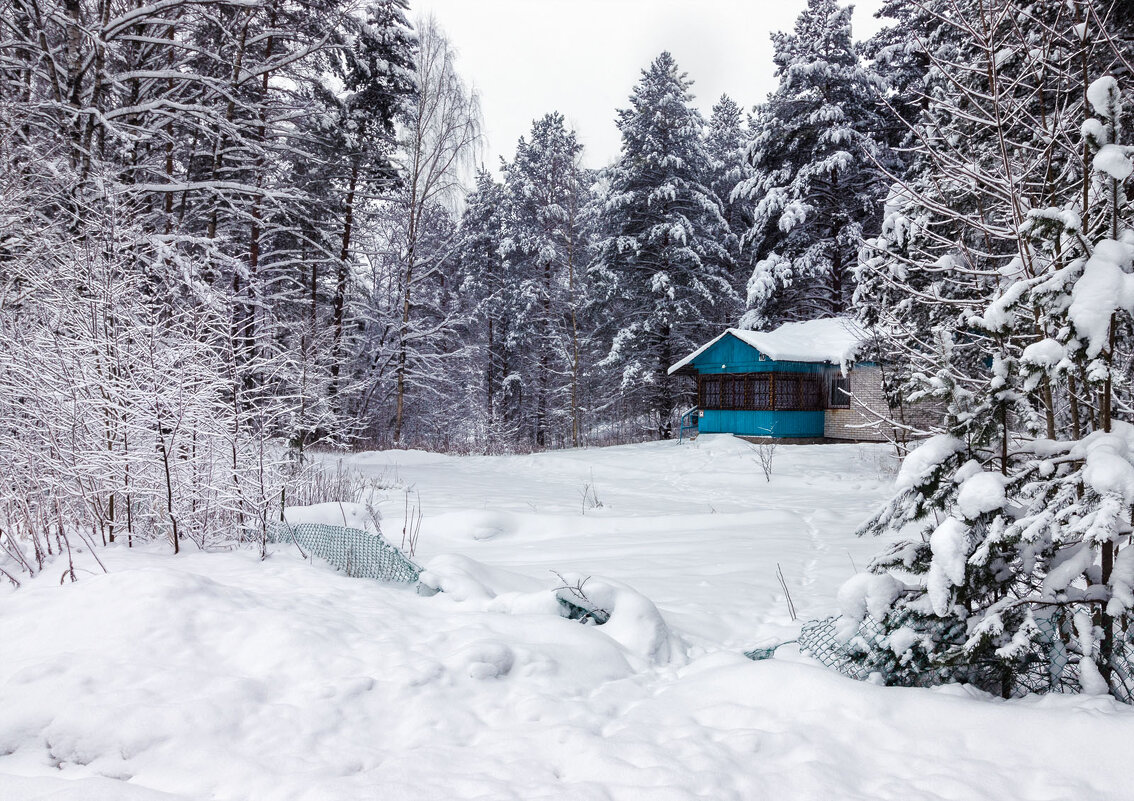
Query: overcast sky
pixel 583 57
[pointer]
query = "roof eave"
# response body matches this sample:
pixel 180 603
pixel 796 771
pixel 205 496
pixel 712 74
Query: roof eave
pixel 686 369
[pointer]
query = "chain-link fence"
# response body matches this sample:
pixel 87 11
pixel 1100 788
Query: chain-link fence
pixel 1048 666
pixel 357 553
pixel 361 554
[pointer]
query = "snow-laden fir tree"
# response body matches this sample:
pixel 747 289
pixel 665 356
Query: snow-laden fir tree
pixel 898 54
pixel 726 140
pixel 347 164
pixel 662 265
pixel 943 252
pixel 546 247
pixel 487 288
pixel 815 188
pixel 376 68
pixel 1003 280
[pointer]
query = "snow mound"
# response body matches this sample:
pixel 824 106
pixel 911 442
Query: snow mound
pixel 463 579
pixel 18 788
pixel 1110 461
pixel 1114 161
pixel 863 594
pixel 476 525
pixel 408 457
pixel 486 659
pixel 634 621
pixel 949 543
pixel 981 493
pixel 1045 353
pixel 347 515
pixel 1103 94
pixel 1104 287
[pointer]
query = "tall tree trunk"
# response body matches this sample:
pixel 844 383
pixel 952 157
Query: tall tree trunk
pixel 574 345
pixel 490 377
pixel 229 114
pixel 74 12
pixel 245 331
pixel 342 275
pixel 544 361
pixel 403 331
pixel 666 403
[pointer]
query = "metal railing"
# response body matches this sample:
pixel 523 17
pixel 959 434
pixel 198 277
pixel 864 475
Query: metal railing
pixel 689 421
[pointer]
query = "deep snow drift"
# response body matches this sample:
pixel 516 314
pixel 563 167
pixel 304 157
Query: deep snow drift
pixel 220 676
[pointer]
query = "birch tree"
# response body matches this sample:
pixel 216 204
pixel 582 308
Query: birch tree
pixel 441 135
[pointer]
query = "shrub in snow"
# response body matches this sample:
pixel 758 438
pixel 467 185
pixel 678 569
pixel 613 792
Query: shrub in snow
pixel 937 593
pixel 626 616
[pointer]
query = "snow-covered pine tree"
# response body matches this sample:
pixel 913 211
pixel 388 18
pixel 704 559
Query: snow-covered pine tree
pixel 487 288
pixel 815 188
pixel 898 54
pixel 1003 279
pixel 950 225
pixel 341 161
pixel 726 141
pixel 662 266
pixel 546 247
pixel 376 69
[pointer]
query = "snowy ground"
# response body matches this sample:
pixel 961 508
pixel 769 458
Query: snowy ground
pixel 220 676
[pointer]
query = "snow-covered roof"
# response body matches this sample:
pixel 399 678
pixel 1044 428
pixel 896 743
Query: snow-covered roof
pixel 834 340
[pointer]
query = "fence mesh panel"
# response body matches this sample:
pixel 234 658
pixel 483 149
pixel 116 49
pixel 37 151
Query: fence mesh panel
pixel 1049 667
pixel 357 553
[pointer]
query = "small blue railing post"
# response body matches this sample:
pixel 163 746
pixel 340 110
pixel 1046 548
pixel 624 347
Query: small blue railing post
pixel 689 421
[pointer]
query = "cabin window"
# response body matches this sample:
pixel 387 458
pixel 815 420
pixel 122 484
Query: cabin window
pixel 762 392
pixel 810 393
pixel 786 392
pixel 710 392
pixel 840 394
pixel 731 393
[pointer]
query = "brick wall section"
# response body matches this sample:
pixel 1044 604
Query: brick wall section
pixel 868 403
pixel 865 419
pixel 924 415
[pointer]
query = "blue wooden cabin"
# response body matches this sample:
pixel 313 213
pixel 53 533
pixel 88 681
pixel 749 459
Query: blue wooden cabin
pixel 778 384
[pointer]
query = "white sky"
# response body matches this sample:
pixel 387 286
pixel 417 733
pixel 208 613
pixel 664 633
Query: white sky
pixel 583 57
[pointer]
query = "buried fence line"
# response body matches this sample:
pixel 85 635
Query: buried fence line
pixel 359 554
pixel 1049 666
